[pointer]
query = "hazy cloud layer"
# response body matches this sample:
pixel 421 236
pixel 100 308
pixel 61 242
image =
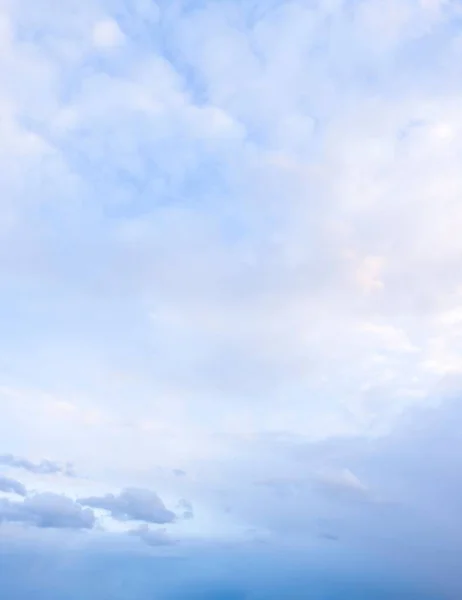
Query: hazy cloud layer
pixel 206 572
pixel 230 242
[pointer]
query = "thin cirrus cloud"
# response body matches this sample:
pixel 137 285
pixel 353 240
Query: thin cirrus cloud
pixel 230 242
pixel 43 467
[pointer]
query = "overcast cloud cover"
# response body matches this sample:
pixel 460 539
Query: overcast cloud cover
pixel 230 299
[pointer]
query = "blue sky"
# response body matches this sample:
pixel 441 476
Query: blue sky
pixel 230 299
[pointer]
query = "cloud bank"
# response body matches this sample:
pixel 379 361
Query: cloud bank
pixel 230 272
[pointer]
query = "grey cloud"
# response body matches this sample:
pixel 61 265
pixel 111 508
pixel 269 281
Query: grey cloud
pixel 179 472
pixel 135 504
pixel 331 537
pixel 44 467
pixel 47 510
pixel 12 486
pixel 342 483
pixel 396 495
pixel 152 537
pixel 187 508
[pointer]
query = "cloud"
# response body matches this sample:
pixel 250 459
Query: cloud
pixel 47 510
pixel 343 481
pixel 152 537
pixel 260 273
pixel 107 34
pixel 12 486
pixel 329 536
pixel 230 238
pixel 135 504
pixel 179 472
pixel 44 467
pixel 187 508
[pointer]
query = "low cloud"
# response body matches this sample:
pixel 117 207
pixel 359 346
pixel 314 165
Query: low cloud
pixel 47 510
pixel 187 509
pixel 152 537
pixel 107 34
pixel 133 504
pixel 11 486
pixel 342 482
pixel 44 467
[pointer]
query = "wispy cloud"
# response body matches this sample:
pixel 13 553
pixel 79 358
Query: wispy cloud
pixel 44 467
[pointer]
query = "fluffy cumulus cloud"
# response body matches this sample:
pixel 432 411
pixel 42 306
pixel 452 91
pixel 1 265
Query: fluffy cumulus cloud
pixel 47 510
pixel 230 272
pixel 12 486
pixel 132 504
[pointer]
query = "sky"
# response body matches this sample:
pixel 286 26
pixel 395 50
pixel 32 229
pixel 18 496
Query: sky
pixel 230 299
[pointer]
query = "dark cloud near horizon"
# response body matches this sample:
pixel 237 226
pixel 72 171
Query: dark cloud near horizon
pixel 44 467
pixel 47 510
pixel 12 486
pixel 133 504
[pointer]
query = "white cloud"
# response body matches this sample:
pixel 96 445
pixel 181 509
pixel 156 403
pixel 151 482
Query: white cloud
pixel 344 480
pixel 242 225
pixel 107 34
